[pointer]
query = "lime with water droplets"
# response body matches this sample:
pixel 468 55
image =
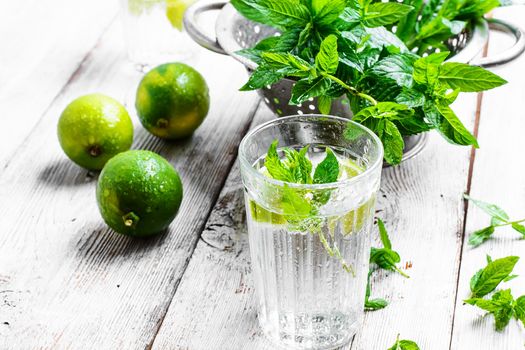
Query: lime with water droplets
pixel 139 193
pixel 94 128
pixel 172 100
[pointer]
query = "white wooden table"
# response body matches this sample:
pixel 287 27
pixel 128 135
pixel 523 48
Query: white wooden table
pixel 67 281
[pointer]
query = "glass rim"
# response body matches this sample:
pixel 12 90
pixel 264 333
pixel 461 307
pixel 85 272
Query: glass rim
pixel 254 172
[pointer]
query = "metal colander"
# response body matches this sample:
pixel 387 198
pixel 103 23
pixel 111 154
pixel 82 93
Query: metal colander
pixel 234 33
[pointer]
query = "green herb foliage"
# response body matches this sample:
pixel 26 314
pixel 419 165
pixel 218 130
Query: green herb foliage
pixel 502 304
pixel 300 208
pixel 487 279
pixel 499 218
pixel 383 258
pixel 404 345
pixel 334 48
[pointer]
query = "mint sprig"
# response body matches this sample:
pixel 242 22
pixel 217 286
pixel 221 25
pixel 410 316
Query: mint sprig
pixel 384 258
pixel 300 206
pixel 502 304
pixel 499 218
pixel 336 48
pixel 487 279
pixel 403 344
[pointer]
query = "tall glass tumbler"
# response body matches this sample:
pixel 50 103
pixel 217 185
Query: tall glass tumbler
pixel 310 243
pixel 154 31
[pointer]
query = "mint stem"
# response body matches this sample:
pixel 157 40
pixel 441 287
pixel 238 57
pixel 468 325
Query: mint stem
pixel 509 223
pixel 351 89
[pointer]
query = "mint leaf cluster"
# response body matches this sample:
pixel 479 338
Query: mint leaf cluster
pixel 335 48
pixel 297 168
pixel 431 23
pixel 403 344
pixel 384 258
pixel 502 304
pixel 300 206
pixel 499 218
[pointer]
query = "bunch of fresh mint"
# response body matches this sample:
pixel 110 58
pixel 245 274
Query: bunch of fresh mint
pixel 334 48
pixel 502 304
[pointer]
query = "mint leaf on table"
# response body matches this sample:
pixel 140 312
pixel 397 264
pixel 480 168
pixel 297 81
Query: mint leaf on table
pixel 384 258
pixel 499 218
pixel 519 309
pixel 478 237
pixel 376 303
pixel 491 209
pixel 487 279
pixel 383 234
pixel 469 78
pixel 383 13
pixel 519 228
pixel 501 306
pixel 404 345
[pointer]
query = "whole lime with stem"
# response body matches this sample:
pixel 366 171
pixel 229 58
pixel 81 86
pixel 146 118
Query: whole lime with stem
pixel 93 128
pixel 172 100
pixel 139 193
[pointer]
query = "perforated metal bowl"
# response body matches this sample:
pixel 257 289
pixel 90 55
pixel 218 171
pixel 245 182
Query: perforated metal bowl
pixel 234 33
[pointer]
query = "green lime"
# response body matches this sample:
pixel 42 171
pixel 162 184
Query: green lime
pixel 94 128
pixel 172 100
pixel 139 193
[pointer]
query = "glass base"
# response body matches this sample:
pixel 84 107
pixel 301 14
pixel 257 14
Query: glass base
pixel 310 332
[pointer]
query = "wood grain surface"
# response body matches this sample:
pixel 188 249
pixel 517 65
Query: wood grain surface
pixel 66 280
pixel 498 177
pixel 43 44
pixel 69 282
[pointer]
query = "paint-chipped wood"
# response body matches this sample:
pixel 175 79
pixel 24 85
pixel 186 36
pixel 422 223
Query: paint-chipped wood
pixel 498 177
pixel 66 280
pixel 215 307
pixel 43 44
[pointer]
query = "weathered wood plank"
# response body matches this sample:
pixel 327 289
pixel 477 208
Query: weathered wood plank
pixel 43 44
pixel 422 208
pixel 66 280
pixel 498 177
pixel 214 307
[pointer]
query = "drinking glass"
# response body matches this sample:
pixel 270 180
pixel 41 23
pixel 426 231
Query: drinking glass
pixel 310 267
pixel 154 31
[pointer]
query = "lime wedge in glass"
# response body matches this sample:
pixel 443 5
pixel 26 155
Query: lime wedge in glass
pixel 175 11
